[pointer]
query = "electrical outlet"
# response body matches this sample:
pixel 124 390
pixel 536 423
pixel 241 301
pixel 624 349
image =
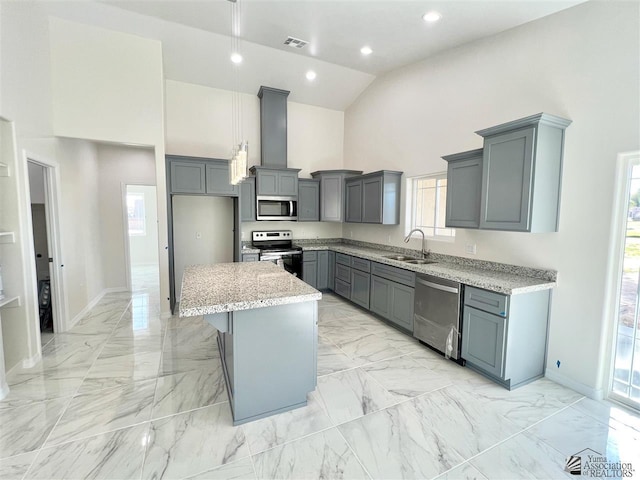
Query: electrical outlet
pixel 389 239
pixel 198 235
pixel 470 248
pixel 351 233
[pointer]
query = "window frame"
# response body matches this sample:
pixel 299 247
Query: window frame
pixel 411 204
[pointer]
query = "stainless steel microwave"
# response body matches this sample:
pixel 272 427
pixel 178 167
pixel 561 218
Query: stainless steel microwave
pixel 276 208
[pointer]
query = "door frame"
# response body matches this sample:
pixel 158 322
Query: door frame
pixel 614 277
pixel 52 214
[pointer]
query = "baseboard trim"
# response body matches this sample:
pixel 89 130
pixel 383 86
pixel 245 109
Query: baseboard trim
pixel 586 390
pixel 4 390
pixel 86 309
pixel 115 290
pixel 32 361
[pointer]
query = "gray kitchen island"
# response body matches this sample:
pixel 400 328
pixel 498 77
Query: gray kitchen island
pixel 267 333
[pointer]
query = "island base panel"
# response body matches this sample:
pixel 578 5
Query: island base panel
pixel 269 357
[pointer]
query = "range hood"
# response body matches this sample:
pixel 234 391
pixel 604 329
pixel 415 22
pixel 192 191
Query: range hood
pixel 273 127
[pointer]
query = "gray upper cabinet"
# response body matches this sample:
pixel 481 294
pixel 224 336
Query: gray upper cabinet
pixel 273 127
pixel 308 200
pixel 248 200
pixel 521 174
pixel 353 201
pixel 332 193
pixel 276 182
pixel 464 185
pixel 187 177
pixel 217 175
pixel 373 198
pixel 204 176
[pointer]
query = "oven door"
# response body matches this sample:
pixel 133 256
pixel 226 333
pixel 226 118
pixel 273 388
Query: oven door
pixel 276 208
pixel 291 262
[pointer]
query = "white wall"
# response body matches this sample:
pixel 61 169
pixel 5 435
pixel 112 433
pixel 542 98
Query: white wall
pixel 582 64
pixel 106 85
pixel 80 223
pixel 198 123
pixel 118 166
pixel 143 249
pixel 202 232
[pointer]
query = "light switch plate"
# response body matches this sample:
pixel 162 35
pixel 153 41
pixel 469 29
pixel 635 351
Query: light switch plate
pixel 470 248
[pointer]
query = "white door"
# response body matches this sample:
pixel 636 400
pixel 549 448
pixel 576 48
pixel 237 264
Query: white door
pixel 625 382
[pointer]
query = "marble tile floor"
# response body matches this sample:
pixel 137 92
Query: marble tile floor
pixel 128 395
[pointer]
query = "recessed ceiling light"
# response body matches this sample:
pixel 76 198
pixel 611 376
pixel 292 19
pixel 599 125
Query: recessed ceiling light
pixel 311 75
pixel 236 58
pixel 366 50
pixel 431 17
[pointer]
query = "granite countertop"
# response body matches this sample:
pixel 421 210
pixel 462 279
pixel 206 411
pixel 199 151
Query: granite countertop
pixel 509 282
pixel 228 287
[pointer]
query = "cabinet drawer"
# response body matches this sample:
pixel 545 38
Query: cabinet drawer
pixel 360 264
pixel 343 259
pixel 343 273
pixel 309 256
pixel 343 288
pixel 491 302
pixel 250 257
pixel 395 274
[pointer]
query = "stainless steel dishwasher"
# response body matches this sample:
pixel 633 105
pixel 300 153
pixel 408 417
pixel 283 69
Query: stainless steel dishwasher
pixel 437 321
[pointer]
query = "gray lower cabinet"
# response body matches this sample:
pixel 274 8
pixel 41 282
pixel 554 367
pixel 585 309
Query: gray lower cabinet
pixel 217 176
pixel 278 182
pixel 464 184
pixel 248 200
pixel 332 193
pixel 310 268
pixel 385 290
pixel 315 269
pixel 392 301
pixel 250 257
pixel 373 198
pixel 504 337
pixel 187 177
pixel 360 285
pixel 269 358
pixel 308 200
pixel 521 174
pixel 331 280
pixel 323 270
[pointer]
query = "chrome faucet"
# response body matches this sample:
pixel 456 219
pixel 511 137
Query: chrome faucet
pixel 425 252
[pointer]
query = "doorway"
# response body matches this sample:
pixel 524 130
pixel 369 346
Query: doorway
pixel 141 213
pixel 625 381
pixel 43 241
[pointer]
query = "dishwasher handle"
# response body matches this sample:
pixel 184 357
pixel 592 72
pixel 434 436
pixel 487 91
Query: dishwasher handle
pixel 437 286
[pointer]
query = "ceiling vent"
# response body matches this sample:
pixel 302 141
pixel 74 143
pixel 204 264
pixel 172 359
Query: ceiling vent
pixel 295 42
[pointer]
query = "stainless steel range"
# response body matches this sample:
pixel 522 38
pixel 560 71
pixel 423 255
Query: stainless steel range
pixel 277 246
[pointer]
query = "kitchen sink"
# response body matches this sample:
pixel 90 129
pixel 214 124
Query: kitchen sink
pixel 402 258
pixel 419 261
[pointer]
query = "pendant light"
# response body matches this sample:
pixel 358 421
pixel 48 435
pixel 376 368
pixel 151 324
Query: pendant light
pixel 240 150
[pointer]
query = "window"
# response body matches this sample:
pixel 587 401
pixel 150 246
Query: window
pixel 427 203
pixel 135 214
